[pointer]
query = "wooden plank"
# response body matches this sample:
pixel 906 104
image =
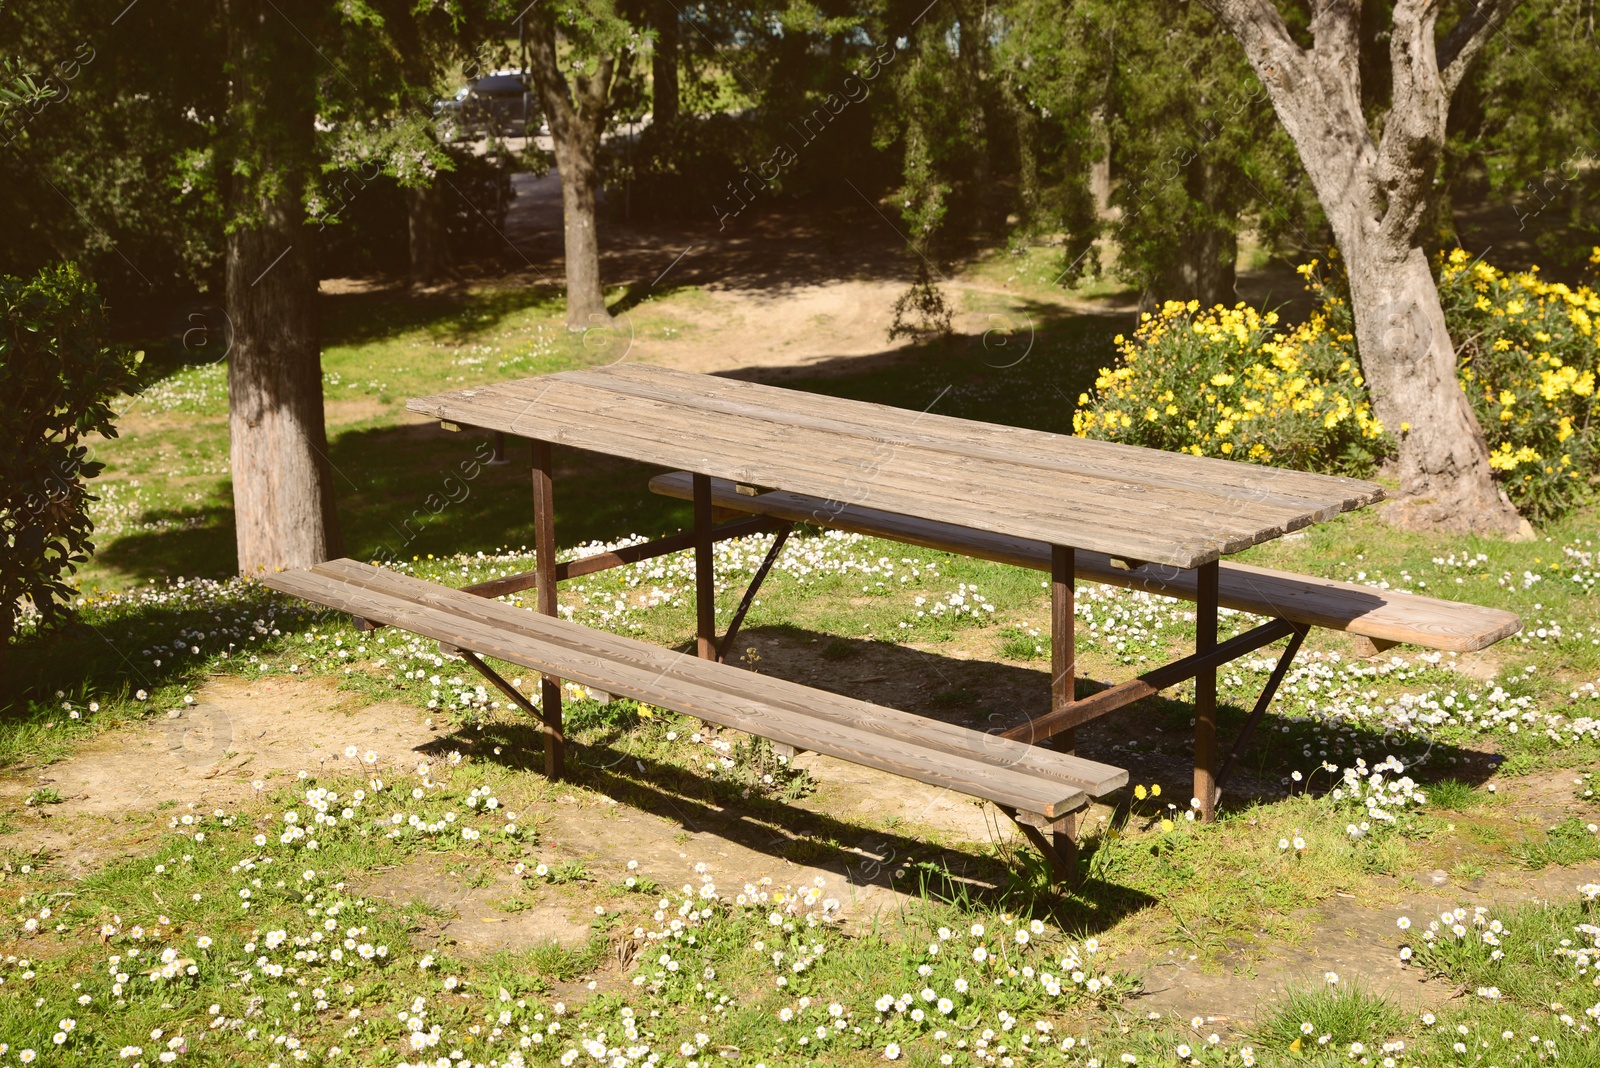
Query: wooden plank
pixel 833 466
pixel 1048 451
pixel 656 417
pixel 1165 525
pixel 1033 793
pixel 1383 615
pixel 976 772
pixel 1094 778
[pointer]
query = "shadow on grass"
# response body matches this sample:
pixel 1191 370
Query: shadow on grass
pixel 197 334
pixel 863 856
pixel 605 754
pixel 415 489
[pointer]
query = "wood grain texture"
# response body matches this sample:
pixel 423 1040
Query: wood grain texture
pixel 941 754
pixel 1385 616
pixel 1100 496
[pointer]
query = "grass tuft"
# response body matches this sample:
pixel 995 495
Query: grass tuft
pixel 1343 1011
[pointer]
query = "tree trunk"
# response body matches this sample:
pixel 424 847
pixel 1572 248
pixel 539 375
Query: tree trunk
pixel 1100 167
pixel 282 479
pixel 971 60
pixel 1206 257
pixel 430 250
pixel 664 68
pixel 580 180
pixel 1026 125
pixel 1410 364
pixel 1377 192
pixel 576 113
pixel 1203 270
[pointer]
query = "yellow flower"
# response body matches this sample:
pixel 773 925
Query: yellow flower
pixel 1139 792
pixel 1227 446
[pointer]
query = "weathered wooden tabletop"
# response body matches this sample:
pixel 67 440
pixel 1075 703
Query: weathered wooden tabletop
pixel 1129 502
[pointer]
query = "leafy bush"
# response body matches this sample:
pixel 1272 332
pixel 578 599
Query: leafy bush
pixel 1225 382
pixel 1528 353
pixel 1229 382
pixel 57 379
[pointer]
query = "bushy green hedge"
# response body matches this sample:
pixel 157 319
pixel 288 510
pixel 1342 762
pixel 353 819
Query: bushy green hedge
pixel 58 377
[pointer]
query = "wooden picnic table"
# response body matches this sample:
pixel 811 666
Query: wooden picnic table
pixel 1139 509
pixel 1139 518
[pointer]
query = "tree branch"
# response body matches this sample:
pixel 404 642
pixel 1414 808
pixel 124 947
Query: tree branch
pixel 1465 42
pixel 1414 126
pixel 1257 26
pixel 554 93
pixel 1336 29
pixel 593 91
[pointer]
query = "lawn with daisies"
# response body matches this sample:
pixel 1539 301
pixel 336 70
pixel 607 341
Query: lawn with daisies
pixel 257 934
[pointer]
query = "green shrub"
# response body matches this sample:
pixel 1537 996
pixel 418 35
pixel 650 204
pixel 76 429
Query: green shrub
pixel 1225 382
pixel 58 377
pixel 1529 356
pixel 1228 382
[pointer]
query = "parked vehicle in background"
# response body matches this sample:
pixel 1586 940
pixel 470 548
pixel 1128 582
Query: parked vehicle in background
pixel 500 104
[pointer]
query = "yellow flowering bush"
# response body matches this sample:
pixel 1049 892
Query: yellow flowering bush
pixel 1529 352
pixel 1230 382
pixel 1226 382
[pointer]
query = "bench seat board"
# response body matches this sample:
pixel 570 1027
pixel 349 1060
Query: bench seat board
pixel 970 762
pixel 1382 615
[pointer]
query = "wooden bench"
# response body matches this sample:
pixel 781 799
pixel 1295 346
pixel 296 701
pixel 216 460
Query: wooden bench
pixel 1039 788
pixel 1382 618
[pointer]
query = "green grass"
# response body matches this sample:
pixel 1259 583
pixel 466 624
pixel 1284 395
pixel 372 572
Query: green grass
pixel 1568 842
pixel 855 611
pixel 1329 1017
pixel 1453 794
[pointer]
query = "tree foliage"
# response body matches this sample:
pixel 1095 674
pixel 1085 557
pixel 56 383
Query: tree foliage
pixel 59 377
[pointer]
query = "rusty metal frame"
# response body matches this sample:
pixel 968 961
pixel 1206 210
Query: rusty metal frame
pixel 1056 841
pixel 627 554
pixel 750 592
pixel 544 547
pixel 1267 693
pixel 1152 681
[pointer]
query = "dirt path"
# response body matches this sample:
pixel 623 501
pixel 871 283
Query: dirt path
pixel 779 290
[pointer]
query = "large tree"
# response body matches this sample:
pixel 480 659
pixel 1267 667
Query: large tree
pixel 576 53
pixel 1374 165
pixel 282 479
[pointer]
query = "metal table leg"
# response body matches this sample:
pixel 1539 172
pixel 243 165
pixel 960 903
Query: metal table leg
pixel 1205 692
pixel 705 582
pixel 544 533
pixel 1063 681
